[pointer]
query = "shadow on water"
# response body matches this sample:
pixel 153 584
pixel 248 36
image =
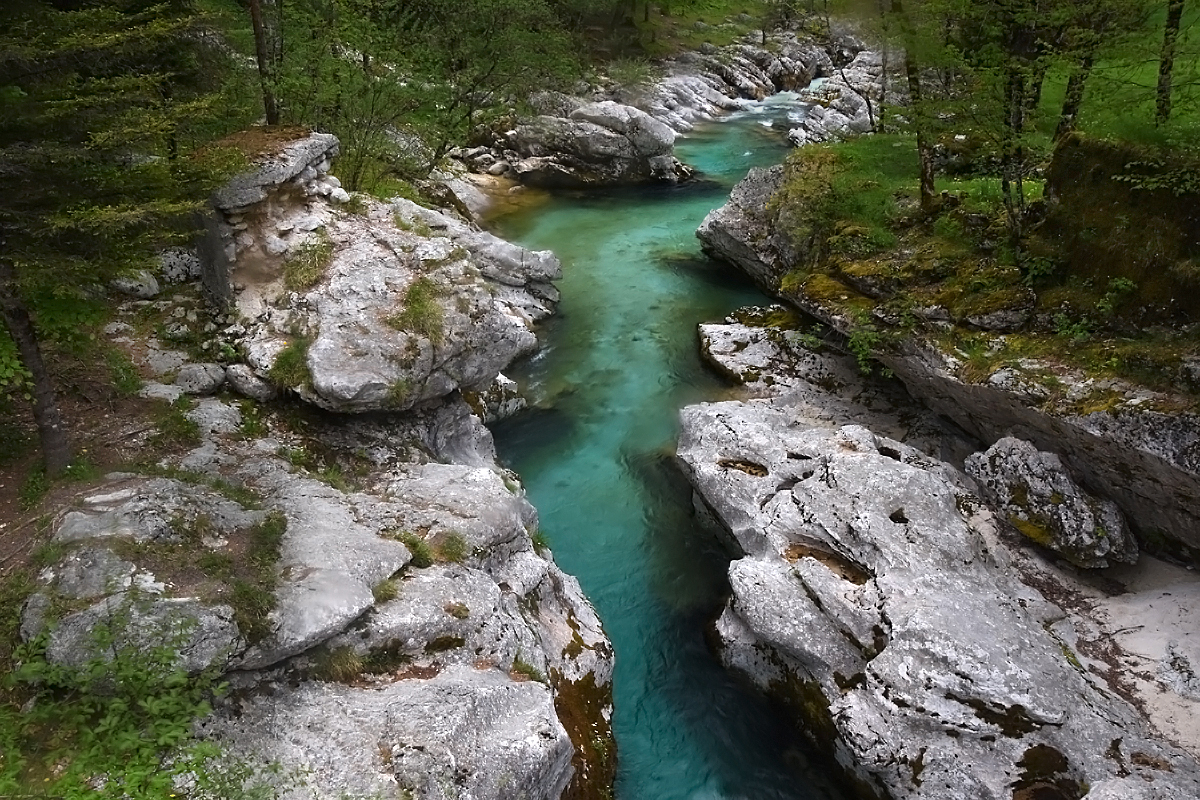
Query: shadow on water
pixel 595 455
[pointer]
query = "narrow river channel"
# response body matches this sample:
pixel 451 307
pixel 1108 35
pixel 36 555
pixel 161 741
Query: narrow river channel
pixel 595 456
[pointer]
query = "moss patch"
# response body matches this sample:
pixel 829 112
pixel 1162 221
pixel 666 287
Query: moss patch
pixel 581 706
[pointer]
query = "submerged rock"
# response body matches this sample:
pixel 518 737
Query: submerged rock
pixel 1036 494
pixel 871 593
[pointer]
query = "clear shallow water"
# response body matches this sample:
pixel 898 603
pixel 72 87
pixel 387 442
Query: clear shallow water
pixel 595 456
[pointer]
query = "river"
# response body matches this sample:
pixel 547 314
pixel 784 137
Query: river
pixel 595 455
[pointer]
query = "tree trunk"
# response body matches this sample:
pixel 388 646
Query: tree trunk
pixel 1166 60
pixel 263 47
pixel 56 448
pixel 1074 96
pixel 929 199
pixel 1033 95
pixel 1012 166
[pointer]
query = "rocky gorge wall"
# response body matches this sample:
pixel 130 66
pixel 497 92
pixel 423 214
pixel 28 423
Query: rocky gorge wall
pixel 1117 438
pixel 373 585
pixel 921 642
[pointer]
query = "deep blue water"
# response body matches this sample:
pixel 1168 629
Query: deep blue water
pixel 595 457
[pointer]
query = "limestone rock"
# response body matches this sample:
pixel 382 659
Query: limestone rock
pixel 200 378
pixel 203 635
pixel 404 315
pixel 242 380
pixel 742 233
pixel 922 664
pixel 1034 491
pixel 142 285
pixel 472 729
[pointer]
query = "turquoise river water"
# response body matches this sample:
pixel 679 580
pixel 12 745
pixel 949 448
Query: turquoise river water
pixel 595 455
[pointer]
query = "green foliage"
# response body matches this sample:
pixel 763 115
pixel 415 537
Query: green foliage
pixel 470 56
pixel 120 725
pixel 14 377
pixel 254 420
pixel 453 547
pixel 864 341
pixel 174 428
pixel 422 553
pixel 290 369
pixel 540 543
pixel 125 717
pixel 422 313
pixel 305 265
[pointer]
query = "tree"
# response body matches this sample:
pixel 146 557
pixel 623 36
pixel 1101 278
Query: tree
pixel 365 69
pixel 268 52
pixel 96 101
pixel 1166 61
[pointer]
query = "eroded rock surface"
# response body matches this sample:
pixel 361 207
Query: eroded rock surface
pixel 872 593
pixel 416 639
pixel 1037 495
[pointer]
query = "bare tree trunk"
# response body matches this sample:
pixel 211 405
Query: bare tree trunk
pixel 1013 155
pixel 56 448
pixel 1074 96
pixel 1166 60
pixel 912 71
pixel 266 63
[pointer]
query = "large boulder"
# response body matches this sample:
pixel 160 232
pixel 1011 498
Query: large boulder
pixel 601 143
pixel 411 306
pixel 872 594
pixel 1034 491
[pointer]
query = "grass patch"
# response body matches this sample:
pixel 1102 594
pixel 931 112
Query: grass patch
pixel 341 665
pixel 306 264
pixel 290 369
pixel 422 312
pixel 422 553
pixel 522 670
pixel 122 372
pixel 540 543
pixel 174 427
pixel 416 225
pixel 453 548
pixel 385 591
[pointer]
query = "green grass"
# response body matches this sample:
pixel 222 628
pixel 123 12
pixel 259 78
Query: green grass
pixel 453 547
pixel 290 369
pixel 174 428
pixel 305 266
pixel 422 553
pixel 422 312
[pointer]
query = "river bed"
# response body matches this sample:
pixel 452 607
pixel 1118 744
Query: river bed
pixel 595 455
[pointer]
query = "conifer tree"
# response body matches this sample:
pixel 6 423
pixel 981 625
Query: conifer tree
pixel 100 104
